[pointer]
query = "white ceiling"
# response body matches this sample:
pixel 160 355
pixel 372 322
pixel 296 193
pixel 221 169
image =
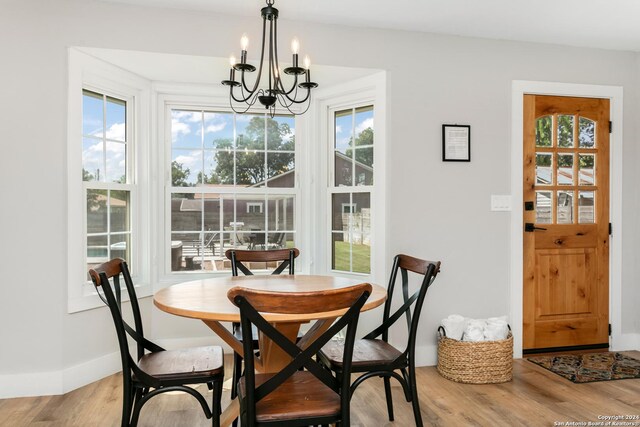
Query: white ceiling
pixel 609 24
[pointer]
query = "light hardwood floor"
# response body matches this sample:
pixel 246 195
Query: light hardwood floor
pixel 535 397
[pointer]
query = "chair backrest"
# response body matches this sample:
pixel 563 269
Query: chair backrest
pixel 239 257
pixel 106 280
pixel 428 271
pixel 252 302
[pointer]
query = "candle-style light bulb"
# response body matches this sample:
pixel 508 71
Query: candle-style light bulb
pixel 232 60
pixel 307 62
pixel 244 42
pixel 295 45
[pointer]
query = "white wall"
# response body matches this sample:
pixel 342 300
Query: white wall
pixel 436 210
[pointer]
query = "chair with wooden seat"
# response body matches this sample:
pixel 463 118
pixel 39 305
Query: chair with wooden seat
pixel 238 258
pixel 292 396
pixel 373 355
pixel 159 371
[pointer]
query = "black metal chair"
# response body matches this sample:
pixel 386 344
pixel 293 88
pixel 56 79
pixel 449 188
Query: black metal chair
pixel 159 371
pixel 375 357
pixel 286 257
pixel 295 397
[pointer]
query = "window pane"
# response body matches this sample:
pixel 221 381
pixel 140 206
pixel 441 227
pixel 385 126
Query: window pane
pixel 250 168
pixel 116 119
pixel 186 212
pixel 210 167
pixel 116 157
pixel 279 240
pixel 364 126
pixel 565 131
pixel 343 170
pixel 186 129
pixel 97 250
pixel 587 133
pixel 92 159
pixel 251 213
pixel 544 131
pixel 340 222
pixel 186 168
pixel 120 246
pixel 211 205
pixel 543 207
pixel 92 114
pixel 281 211
pixel 97 216
pixel 218 130
pixel 565 207
pixel 340 252
pixel 280 170
pixel 586 169
pixel 343 130
pixel 586 213
pixel 120 210
pixel 565 169
pixel 281 133
pixel 251 132
pixel 220 168
pixel 544 168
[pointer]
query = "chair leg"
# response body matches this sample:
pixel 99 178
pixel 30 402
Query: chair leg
pixel 237 373
pixel 387 392
pixel 415 402
pixel 216 405
pixel 127 403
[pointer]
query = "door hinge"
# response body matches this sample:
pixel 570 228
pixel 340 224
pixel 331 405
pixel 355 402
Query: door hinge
pixel 610 230
pixel 609 329
pixel 610 126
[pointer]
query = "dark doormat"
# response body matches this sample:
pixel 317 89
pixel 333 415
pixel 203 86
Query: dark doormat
pixel 590 367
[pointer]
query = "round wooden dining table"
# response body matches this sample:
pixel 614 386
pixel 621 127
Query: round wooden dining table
pixel 206 300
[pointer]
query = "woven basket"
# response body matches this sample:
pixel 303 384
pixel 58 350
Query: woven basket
pixel 484 362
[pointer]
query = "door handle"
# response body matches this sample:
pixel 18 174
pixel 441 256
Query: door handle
pixel 529 227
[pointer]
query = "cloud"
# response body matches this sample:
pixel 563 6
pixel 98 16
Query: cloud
pixel 117 132
pixel 367 123
pixel 186 116
pixel 178 128
pixel 213 128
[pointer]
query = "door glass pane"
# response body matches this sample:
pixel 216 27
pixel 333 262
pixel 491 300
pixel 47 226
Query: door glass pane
pixel 586 169
pixel 565 131
pixel 587 133
pixel 544 168
pixel 565 207
pixel 565 169
pixel 544 131
pixel 543 207
pixel 586 205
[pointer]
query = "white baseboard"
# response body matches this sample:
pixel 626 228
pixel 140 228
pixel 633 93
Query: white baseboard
pixel 626 342
pixel 73 377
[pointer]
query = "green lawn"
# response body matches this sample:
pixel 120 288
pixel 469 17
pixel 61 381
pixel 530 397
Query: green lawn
pixel 361 257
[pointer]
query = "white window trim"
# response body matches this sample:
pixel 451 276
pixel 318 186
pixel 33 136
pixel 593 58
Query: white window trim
pixel 88 72
pixel 370 90
pixel 250 205
pixel 181 96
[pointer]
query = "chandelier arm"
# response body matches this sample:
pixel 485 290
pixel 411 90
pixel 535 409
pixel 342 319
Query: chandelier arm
pixel 279 83
pixel 242 97
pixel 249 104
pixel 259 76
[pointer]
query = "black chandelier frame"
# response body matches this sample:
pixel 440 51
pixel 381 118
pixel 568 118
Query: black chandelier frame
pixel 275 93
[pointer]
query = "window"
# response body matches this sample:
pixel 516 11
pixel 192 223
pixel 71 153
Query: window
pixel 232 185
pixel 351 189
pixel 254 207
pixel 107 177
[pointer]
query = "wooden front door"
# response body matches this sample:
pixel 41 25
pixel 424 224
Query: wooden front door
pixel 566 216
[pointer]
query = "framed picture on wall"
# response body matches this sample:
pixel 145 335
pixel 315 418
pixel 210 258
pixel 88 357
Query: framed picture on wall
pixel 456 143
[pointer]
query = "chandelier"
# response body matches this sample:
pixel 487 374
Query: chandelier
pixel 273 91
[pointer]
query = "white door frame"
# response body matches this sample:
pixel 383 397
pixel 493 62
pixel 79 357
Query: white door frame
pixel 614 93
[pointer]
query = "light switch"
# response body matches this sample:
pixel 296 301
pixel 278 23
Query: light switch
pixel 500 202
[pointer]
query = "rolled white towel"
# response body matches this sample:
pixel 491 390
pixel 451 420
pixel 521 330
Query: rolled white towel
pixel 496 328
pixel 453 326
pixel 474 330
